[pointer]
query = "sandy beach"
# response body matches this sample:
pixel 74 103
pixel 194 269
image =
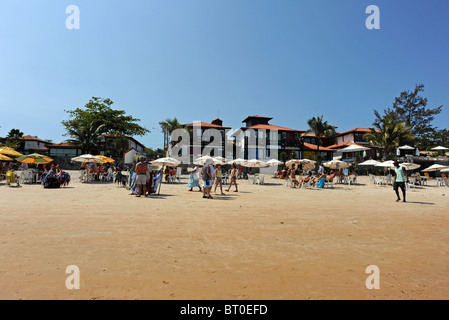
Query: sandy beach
pixel 264 242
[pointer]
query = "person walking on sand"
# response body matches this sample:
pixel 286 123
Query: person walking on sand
pixel 218 179
pixel 399 181
pixel 194 178
pixel 233 178
pixel 141 171
pixel 207 178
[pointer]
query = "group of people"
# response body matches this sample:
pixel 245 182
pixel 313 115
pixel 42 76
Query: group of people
pixel 95 171
pixel 144 181
pixel 212 176
pixel 315 179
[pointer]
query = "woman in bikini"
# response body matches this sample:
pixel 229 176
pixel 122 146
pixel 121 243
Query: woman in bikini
pixel 233 178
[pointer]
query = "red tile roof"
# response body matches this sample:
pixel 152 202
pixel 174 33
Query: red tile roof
pixel 31 138
pixel 363 130
pixel 315 147
pixel 270 127
pixel 62 145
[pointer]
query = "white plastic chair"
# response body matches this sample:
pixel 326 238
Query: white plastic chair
pixel 178 174
pixel 260 179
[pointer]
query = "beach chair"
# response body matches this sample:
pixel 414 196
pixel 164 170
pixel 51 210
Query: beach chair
pixel 379 181
pixel 178 174
pixel 329 183
pixel 389 179
pixel 12 178
pixel 157 180
pixel 288 182
pixel 422 179
pixel 225 179
pixel 260 179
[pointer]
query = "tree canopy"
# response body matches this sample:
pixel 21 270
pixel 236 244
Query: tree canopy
pixel 87 124
pixel 388 132
pixel 411 108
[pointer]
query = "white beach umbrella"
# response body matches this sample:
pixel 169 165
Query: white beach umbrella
pixel 353 148
pixel 88 158
pixel 406 147
pixel 238 161
pixel 166 162
pixel 337 164
pixel 369 163
pixel 386 164
pixel 292 161
pixel 410 166
pixel 221 159
pixel 202 160
pixel 435 167
pixel 274 162
pixel 439 148
pixel 255 163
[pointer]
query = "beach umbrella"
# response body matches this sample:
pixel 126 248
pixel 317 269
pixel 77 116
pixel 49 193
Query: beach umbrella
pixel 386 164
pixel 166 162
pixel 10 152
pixel 369 163
pixel 105 159
pixel 435 167
pixel 439 148
pixel 307 164
pixel 255 163
pixel 289 163
pixel 221 159
pixel 353 148
pixel 406 147
pixel 238 161
pixel 88 158
pixel 337 164
pixel 5 158
pixel 410 166
pixel 35 158
pixel 274 162
pixel 202 160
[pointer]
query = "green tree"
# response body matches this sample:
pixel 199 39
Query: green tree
pixel 433 139
pixel 411 108
pixel 321 129
pixel 14 134
pixel 12 139
pixel 153 154
pixel 388 132
pixel 86 125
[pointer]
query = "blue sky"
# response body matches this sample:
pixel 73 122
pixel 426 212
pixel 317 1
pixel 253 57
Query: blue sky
pixel 197 59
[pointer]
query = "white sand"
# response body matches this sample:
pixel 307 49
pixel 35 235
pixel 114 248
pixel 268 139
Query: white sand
pixel 265 242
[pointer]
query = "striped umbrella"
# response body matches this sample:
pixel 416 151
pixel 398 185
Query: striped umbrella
pixel 4 158
pixel 35 158
pixel 105 159
pixel 10 152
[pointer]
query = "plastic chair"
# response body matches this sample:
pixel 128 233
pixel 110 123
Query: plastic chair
pixel 260 179
pixel 178 174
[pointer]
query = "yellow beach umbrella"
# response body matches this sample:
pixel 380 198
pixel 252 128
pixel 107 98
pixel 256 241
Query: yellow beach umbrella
pixel 35 158
pixel 10 152
pixel 105 159
pixel 4 158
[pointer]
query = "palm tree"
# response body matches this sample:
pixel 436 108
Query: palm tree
pixel 388 132
pixel 168 126
pixel 86 136
pixel 321 129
